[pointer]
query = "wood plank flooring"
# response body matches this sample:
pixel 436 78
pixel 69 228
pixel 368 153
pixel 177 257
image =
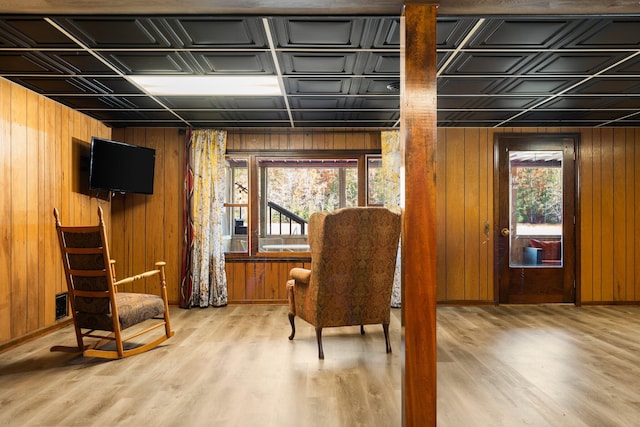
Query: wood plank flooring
pixel 232 366
pixel 555 365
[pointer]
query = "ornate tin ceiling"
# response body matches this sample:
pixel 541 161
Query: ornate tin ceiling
pixel 523 71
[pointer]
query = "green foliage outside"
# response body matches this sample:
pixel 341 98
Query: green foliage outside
pixel 538 194
pixel 307 190
pixel 376 186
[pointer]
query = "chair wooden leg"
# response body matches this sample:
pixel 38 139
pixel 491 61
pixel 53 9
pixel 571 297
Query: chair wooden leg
pixel 361 329
pixel 319 337
pixel 293 326
pixel 385 328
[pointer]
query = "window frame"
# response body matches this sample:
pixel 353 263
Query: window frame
pixel 367 157
pixel 241 205
pixel 253 158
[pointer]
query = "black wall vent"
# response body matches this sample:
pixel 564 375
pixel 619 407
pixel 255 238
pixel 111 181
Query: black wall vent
pixel 62 305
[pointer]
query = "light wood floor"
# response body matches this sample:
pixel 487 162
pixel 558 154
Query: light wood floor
pixel 497 366
pixel 554 365
pixel 232 366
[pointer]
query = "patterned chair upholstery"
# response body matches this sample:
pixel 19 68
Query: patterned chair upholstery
pixel 96 304
pixel 353 258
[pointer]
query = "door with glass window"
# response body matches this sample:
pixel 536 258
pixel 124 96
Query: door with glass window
pixel 536 218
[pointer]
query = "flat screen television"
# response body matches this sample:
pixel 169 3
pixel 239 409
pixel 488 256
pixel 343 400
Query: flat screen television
pixel 120 167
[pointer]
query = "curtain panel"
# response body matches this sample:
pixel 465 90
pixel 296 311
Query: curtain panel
pixel 204 281
pixel 391 164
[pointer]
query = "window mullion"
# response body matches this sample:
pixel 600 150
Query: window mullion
pixel 253 205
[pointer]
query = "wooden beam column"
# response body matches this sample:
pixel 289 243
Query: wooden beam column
pixel 418 142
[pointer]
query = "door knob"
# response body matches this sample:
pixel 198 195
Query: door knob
pixel 504 232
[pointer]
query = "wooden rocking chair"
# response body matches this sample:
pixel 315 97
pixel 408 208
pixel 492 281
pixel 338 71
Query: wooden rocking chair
pixel 98 310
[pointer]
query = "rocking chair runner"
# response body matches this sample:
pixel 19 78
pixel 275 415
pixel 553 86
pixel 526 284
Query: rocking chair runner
pixel 95 303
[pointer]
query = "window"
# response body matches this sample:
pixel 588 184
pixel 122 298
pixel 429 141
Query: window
pixel 235 222
pixel 375 181
pixel 269 199
pixel 292 189
pixel 536 208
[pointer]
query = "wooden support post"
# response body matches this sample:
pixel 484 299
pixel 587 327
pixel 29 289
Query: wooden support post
pixel 418 141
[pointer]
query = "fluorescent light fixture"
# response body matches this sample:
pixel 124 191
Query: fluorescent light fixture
pixel 209 85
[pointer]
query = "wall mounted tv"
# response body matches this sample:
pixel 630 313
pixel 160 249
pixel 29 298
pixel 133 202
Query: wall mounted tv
pixel 120 167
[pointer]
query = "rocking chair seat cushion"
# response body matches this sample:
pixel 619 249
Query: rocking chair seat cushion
pixel 133 308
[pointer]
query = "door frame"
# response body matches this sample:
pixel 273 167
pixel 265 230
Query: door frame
pixel 574 189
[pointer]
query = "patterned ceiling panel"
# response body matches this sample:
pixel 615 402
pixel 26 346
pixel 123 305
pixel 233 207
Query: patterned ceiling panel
pixel 32 32
pixel 235 62
pixel 321 32
pixel 609 34
pixel 217 32
pixel 156 62
pixel 335 70
pixel 523 33
pixel 116 32
pixel 321 63
pixel 494 63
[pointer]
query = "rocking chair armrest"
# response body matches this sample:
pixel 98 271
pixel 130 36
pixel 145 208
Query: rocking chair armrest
pixel 300 275
pixel 150 273
pixel 136 277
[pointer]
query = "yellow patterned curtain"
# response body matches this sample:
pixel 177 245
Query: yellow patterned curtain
pixel 391 162
pixel 206 279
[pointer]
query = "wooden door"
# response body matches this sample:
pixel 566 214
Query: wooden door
pixel 536 218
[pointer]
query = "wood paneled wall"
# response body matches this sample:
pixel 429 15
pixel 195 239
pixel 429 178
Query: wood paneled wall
pixel 259 280
pixel 307 140
pixel 609 254
pixel 40 145
pixel 609 198
pixel 148 228
pixel 465 215
pixel 159 216
pixel 39 170
pixel 608 209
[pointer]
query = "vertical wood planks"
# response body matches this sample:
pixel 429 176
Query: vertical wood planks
pixel 607 212
pixel 586 234
pixel 441 215
pixel 465 254
pixel 465 208
pixel 486 290
pixel 260 280
pixel 148 228
pixel 472 231
pixel 597 215
pixel 172 209
pixel 31 187
pixel 609 195
pixel 295 140
pixel 255 280
pixel 455 199
pixel 37 172
pixel 6 229
pixel 19 257
pixel 155 209
pixel 619 214
pixel 630 224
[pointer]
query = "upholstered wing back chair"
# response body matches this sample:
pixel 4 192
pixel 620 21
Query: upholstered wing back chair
pixel 353 258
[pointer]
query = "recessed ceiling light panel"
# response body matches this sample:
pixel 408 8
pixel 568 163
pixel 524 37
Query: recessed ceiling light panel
pixel 209 85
